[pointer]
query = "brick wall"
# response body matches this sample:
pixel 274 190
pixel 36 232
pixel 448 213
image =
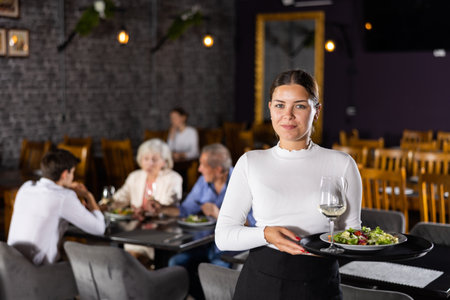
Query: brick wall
pixel 99 88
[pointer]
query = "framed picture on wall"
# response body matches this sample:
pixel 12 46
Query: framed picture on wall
pixel 18 42
pixel 2 42
pixel 9 8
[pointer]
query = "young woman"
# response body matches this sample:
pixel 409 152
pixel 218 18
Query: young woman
pixel 281 184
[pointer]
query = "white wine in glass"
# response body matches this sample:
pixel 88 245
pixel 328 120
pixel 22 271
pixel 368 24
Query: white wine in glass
pixel 332 204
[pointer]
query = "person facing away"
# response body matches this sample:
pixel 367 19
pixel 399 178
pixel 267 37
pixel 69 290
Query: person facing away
pixel 43 209
pixel 182 139
pixel 282 186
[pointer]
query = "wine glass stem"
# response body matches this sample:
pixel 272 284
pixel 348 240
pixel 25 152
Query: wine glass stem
pixel 332 232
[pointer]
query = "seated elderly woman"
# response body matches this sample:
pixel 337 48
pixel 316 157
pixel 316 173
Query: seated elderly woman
pixel 153 185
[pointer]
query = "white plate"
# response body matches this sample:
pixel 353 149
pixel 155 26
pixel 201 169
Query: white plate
pixel 211 221
pixel 408 191
pixel 401 239
pixel 117 217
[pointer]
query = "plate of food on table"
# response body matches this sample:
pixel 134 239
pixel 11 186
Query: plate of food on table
pixel 364 239
pixel 120 214
pixel 196 220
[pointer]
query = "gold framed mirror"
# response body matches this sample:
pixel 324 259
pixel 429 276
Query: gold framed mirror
pixel 287 41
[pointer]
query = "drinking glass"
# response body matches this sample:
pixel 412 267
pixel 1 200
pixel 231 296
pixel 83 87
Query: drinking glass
pixel 107 194
pixel 332 204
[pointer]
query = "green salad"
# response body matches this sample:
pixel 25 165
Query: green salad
pixel 365 236
pixel 196 219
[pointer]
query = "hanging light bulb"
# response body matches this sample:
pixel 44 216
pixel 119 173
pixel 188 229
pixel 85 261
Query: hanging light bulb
pixel 123 36
pixel 208 41
pixel 330 46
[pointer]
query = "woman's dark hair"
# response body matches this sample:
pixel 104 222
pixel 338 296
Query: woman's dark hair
pixel 180 111
pixel 55 162
pixel 299 77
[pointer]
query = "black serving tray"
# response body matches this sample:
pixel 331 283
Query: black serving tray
pixel 414 247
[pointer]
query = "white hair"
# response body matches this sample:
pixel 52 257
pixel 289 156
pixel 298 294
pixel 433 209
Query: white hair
pixel 155 146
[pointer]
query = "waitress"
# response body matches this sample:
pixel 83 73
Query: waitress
pixel 282 186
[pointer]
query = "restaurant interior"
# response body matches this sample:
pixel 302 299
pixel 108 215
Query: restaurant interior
pixel 98 78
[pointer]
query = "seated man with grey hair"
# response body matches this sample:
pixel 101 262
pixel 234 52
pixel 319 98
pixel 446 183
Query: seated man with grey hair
pixel 206 198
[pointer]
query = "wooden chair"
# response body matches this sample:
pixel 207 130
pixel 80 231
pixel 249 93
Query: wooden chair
pixel 434 192
pixel 231 131
pixel 385 190
pixel 156 134
pixel 417 135
pixel 264 136
pixel 344 136
pixel 392 159
pixel 359 154
pixel 419 146
pixel 32 153
pixel 9 196
pixel 208 136
pixel 446 146
pixel 78 141
pixel 118 160
pixel 370 144
pixel 82 153
pixel 441 137
pixel 431 162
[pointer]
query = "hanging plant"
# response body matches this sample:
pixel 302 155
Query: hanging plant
pixel 181 23
pixel 101 9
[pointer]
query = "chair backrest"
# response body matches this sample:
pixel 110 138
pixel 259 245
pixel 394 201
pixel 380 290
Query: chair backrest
pixel 359 154
pixel 106 272
pixel 434 190
pixel 208 136
pixel 385 190
pixel 231 131
pixel 21 279
pixel 446 146
pixel 419 146
pixel 441 137
pixel 118 160
pixel 9 197
pixel 431 162
pixel 82 153
pixel 417 135
pixel 344 136
pixel 78 141
pixel 370 144
pixel 434 232
pixel 356 293
pixel 218 283
pixel 392 159
pixel 155 134
pixel 388 220
pixel 31 154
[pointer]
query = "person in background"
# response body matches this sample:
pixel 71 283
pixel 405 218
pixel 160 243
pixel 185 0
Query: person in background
pixel 43 209
pixel 205 198
pixel 182 139
pixel 154 185
pixel 282 186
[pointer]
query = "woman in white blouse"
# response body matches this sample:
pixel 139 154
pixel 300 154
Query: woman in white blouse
pixel 182 139
pixel 281 184
pixel 154 184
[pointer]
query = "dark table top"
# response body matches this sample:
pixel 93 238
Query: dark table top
pixel 162 234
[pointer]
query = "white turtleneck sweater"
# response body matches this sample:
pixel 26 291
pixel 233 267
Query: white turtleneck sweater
pixel 283 188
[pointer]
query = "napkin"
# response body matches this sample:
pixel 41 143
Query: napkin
pixel 391 272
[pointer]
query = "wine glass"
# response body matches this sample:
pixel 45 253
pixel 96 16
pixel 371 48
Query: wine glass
pixel 107 194
pixel 332 204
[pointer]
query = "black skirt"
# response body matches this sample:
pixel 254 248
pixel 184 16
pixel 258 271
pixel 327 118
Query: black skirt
pixel 271 274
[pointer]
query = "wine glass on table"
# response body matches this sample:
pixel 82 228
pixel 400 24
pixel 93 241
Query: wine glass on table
pixel 332 204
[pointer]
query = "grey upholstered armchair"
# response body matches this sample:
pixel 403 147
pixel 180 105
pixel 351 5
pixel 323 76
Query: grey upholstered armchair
pixel 104 272
pixel 21 279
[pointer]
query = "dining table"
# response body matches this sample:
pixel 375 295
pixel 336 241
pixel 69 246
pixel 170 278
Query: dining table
pixel 416 267
pixel 167 235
